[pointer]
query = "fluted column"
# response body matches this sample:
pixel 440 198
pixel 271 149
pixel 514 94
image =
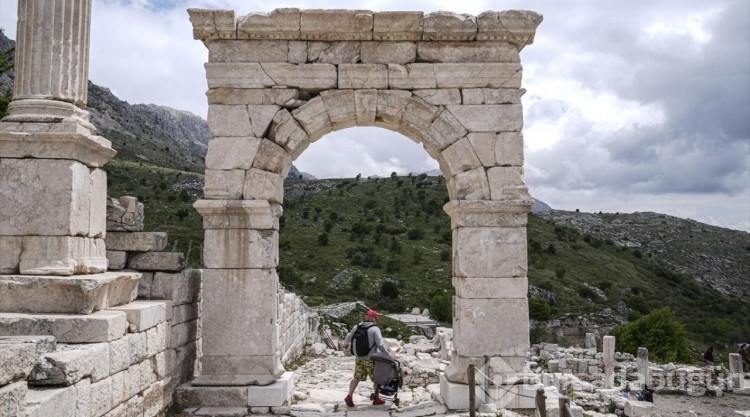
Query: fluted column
pixel 52 57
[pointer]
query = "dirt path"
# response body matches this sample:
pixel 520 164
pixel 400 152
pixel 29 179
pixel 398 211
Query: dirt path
pixel 683 405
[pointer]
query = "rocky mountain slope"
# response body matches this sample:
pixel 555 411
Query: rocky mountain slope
pixel 715 256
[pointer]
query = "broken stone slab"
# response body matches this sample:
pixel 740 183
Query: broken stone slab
pixel 18 354
pixel 213 24
pixel 460 157
pixel 124 214
pixel 397 26
pixel 469 185
pixel 157 261
pixel 101 326
pixel 313 117
pixel 286 132
pixel 136 241
pixel 638 408
pixel 65 368
pixel 275 394
pixel 514 26
pixel 338 25
pixel 305 76
pixel 80 294
pixel 282 23
pixel 342 52
pixel 145 314
pixel 272 158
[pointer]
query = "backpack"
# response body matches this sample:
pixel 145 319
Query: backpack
pixel 360 344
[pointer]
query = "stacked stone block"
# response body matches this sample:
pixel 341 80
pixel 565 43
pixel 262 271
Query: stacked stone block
pixel 298 326
pixel 279 81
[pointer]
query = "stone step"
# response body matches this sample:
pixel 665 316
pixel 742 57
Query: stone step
pixel 18 354
pixel 145 314
pixel 102 326
pixel 79 294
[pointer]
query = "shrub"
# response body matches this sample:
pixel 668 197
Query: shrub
pixel 389 289
pixel 660 332
pixel 440 307
pixel 323 239
pixel 538 334
pixel 539 309
pixel 415 234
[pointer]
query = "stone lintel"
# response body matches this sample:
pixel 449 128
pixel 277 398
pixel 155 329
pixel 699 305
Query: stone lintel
pixel 213 24
pixel 495 213
pixel 236 214
pixel 80 294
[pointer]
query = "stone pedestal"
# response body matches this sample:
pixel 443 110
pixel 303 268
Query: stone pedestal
pixel 735 370
pixel 239 294
pixel 52 190
pixel 644 371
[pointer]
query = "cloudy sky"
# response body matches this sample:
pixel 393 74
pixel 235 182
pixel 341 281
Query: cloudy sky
pixel 635 105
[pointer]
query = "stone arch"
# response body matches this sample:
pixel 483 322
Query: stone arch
pixel 280 81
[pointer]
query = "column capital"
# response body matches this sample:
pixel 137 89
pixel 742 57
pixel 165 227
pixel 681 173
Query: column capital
pixel 496 213
pixel 239 214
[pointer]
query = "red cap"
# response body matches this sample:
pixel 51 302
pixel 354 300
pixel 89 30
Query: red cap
pixel 372 313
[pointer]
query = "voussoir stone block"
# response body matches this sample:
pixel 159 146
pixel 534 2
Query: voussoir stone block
pixel 391 105
pixel 397 26
pixel 100 326
pixel 363 76
pixel 495 327
pixel 213 24
pixel 460 157
pixel 283 23
pixel 313 117
pixel 484 146
pixel 366 104
pixel 157 261
pixel 449 26
pixel 463 52
pixel 417 119
pixel 232 153
pixel 272 158
pixel 445 131
pixel 469 185
pixel 340 25
pixel 136 241
pixel 340 107
pixel 286 132
pixel 81 294
pixel 388 52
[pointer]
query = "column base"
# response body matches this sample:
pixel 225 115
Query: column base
pixel 274 394
pixel 511 394
pixel 40 110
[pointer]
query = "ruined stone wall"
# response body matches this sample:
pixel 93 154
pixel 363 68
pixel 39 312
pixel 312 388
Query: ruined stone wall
pixel 298 326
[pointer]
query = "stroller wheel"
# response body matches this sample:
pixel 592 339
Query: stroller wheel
pixel 396 401
pixel 372 397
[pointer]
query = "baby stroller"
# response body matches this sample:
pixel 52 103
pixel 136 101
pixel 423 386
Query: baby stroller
pixel 387 374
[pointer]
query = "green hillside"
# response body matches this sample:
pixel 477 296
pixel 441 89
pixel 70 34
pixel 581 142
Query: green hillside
pixel 388 242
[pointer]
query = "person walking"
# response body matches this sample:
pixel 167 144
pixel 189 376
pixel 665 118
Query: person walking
pixel 708 357
pixel 364 340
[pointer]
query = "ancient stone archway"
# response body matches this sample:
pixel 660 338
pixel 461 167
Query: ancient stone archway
pixel 279 81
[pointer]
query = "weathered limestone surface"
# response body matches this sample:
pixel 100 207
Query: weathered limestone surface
pixel 116 260
pixel 232 152
pixel 62 255
pixel 18 355
pixel 213 24
pixel 278 24
pixel 478 329
pixel 136 242
pixel 608 354
pixel 11 398
pixel 341 25
pixel 444 26
pixel 124 214
pixel 143 314
pixel 363 76
pixel 466 52
pixel 398 26
pixel 388 52
pixel 79 295
pixel 101 326
pixel 157 261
